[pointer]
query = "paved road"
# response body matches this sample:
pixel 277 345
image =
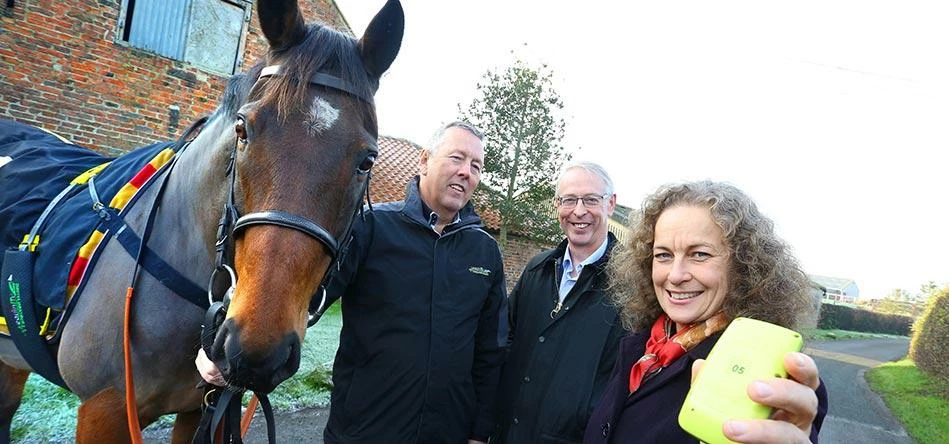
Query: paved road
pixel 857 414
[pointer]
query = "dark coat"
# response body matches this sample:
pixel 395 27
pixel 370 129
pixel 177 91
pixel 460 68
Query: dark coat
pixel 557 367
pixel 651 414
pixel 424 329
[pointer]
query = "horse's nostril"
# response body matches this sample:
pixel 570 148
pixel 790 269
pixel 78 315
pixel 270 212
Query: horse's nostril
pixel 260 368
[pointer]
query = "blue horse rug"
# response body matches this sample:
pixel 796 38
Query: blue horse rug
pixel 36 167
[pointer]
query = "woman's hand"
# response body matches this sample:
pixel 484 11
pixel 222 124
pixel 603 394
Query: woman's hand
pixel 794 400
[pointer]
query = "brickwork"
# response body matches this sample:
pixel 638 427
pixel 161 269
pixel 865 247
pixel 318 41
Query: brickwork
pixel 518 252
pixel 61 68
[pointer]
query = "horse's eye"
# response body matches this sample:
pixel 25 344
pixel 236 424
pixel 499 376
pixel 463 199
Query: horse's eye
pixel 241 130
pixel 367 163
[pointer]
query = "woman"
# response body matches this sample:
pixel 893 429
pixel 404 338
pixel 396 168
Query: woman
pixel 700 255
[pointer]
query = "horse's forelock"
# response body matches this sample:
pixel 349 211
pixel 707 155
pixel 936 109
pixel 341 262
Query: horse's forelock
pixel 322 50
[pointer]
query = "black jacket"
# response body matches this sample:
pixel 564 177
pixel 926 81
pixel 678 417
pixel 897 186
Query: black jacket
pixel 424 329
pixel 557 367
pixel 651 415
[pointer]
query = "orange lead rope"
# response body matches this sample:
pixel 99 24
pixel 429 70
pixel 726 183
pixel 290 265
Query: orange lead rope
pixel 248 415
pixel 131 409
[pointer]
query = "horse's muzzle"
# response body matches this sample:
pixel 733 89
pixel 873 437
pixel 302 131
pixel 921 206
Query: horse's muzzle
pixel 259 369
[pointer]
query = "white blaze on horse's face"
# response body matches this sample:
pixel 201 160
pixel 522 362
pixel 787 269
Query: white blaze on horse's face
pixel 322 117
pixel 5 160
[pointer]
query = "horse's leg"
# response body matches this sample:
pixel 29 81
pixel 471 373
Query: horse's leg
pixel 102 418
pixel 186 423
pixel 12 381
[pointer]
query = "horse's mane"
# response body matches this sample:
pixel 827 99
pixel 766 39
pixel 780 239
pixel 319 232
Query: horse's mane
pixel 322 50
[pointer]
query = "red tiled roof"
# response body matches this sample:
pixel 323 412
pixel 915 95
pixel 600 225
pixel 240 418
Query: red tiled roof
pixel 397 163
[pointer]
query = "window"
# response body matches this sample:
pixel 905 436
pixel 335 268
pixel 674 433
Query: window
pixel 205 33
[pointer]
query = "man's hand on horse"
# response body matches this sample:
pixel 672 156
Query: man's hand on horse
pixel 208 370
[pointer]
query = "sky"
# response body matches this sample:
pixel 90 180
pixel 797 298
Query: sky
pixel 832 115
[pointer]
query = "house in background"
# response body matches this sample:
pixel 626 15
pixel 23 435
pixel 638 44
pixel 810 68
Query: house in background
pixel 619 223
pixel 117 74
pixel 835 290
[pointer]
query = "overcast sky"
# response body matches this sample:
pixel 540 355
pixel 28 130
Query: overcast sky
pixel 832 115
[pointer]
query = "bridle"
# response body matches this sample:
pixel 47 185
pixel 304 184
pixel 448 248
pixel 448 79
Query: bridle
pixel 223 280
pixel 232 223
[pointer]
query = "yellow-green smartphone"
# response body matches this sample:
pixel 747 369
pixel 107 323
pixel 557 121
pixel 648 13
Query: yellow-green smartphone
pixel 748 350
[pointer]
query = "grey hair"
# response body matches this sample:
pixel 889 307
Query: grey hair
pixel 589 167
pixel 439 137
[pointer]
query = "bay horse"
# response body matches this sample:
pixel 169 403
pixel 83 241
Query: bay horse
pixel 290 147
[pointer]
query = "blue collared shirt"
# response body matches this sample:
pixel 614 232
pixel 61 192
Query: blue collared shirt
pixel 566 281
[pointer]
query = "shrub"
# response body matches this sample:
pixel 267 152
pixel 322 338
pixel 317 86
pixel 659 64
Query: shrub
pixel 930 345
pixel 855 319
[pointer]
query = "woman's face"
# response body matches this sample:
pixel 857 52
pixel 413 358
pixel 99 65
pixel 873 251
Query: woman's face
pixel 690 264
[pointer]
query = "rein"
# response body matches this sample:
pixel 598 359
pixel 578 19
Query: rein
pixel 131 408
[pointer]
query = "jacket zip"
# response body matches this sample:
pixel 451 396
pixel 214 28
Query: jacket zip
pixel 556 310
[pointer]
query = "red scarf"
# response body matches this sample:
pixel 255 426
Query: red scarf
pixel 663 349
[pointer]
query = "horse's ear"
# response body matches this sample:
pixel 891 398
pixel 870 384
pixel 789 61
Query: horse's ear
pixel 281 22
pixel 380 44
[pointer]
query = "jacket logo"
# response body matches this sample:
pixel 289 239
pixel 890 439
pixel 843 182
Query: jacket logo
pixel 481 271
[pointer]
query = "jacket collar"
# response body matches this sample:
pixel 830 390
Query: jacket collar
pixel 557 253
pixel 414 209
pixel 633 346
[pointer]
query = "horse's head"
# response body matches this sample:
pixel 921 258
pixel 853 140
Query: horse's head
pixel 306 140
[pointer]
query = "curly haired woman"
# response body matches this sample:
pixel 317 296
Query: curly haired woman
pixel 700 255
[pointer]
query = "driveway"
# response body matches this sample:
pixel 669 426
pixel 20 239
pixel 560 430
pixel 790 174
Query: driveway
pixel 856 414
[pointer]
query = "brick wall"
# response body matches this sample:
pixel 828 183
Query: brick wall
pixel 61 68
pixel 518 252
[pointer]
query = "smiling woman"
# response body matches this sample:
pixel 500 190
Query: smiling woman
pixel 700 255
pixel 690 265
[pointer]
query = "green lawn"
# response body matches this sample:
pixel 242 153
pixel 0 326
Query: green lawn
pixel 48 413
pixel 813 333
pixel 921 403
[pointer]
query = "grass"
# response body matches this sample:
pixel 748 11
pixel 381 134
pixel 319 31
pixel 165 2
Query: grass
pixel 48 412
pixel 814 333
pixel 919 401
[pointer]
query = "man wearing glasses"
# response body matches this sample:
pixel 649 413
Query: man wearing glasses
pixel 563 330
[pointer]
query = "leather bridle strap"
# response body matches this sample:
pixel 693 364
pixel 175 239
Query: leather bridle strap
pixel 284 219
pixel 324 79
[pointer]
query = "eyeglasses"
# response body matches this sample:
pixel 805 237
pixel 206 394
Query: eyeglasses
pixel 590 200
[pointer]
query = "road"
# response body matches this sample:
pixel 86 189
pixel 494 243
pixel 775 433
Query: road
pixel 856 414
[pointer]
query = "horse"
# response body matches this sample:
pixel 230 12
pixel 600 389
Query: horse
pixel 285 160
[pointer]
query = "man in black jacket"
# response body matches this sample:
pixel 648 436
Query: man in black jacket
pixel 424 310
pixel 425 323
pixel 564 331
